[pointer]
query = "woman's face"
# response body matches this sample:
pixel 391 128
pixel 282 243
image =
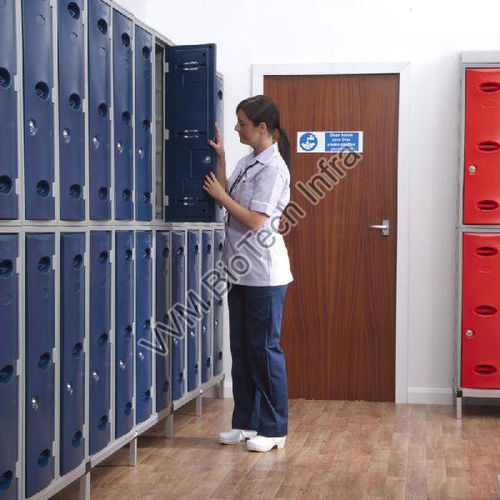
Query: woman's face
pixel 248 132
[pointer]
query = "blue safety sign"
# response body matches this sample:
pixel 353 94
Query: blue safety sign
pixel 329 141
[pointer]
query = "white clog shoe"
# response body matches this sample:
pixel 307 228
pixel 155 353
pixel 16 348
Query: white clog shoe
pixel 263 443
pixel 235 436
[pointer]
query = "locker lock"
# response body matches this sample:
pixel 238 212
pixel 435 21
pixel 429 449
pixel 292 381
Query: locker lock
pixel 34 403
pixel 122 364
pixel 66 135
pixel 472 169
pixel 95 376
pixel 141 355
pixel 69 388
pixel 191 333
pixel 33 129
pixel 95 142
pixel 119 147
pixel 141 153
pixel 469 333
pixel 207 160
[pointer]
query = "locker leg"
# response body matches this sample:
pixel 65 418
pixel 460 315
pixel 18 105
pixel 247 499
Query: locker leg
pixel 132 453
pixel 220 389
pixel 199 405
pixel 85 487
pixel 459 407
pixel 169 426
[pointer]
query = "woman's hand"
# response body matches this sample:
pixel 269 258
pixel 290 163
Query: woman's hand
pixel 214 188
pixel 218 144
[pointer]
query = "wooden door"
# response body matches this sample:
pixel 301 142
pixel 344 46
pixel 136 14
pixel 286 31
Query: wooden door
pixel 339 320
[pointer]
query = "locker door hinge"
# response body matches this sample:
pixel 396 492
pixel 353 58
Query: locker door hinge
pixel 84 431
pixel 133 254
pixel 18 265
pixel 18 186
pixel 53 448
pixel 167 67
pixel 86 259
pixel 17 83
pixel 133 327
pixel 54 356
pixel 110 257
pixel 18 470
pixel 53 190
pixel 53 92
pixel 85 192
pixel 85 104
pixel 19 367
pixel 133 402
pixel 167 201
pixel 167 134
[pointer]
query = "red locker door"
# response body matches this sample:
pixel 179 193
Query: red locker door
pixel 482 146
pixel 481 311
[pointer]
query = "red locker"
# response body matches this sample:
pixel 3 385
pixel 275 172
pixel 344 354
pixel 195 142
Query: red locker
pixel 482 146
pixel 481 311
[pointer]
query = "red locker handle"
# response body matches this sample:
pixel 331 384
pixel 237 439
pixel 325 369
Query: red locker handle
pixel 485 369
pixel 487 205
pixel 486 251
pixel 488 146
pixel 486 310
pixel 489 86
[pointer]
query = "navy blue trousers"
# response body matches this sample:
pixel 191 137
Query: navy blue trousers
pixel 258 367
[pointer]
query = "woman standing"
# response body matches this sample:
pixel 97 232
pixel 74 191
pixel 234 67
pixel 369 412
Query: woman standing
pixel 255 196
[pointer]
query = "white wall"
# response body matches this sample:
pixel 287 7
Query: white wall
pixel 428 34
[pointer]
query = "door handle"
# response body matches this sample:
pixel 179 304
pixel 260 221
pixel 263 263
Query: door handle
pixel 385 227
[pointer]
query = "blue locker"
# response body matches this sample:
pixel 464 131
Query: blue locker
pixel 39 363
pixel 99 74
pixel 9 353
pixel 193 327
pixel 190 111
pixel 178 303
pixel 71 115
pixel 144 313
pixel 8 105
pixel 207 297
pixel 123 104
pixel 100 347
pixel 124 341
pixel 72 335
pixel 38 110
pixel 163 357
pixel 218 307
pixel 143 118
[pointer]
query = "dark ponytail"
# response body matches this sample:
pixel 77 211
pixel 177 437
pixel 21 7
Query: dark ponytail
pixel 262 109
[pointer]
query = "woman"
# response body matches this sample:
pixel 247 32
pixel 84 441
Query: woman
pixel 254 196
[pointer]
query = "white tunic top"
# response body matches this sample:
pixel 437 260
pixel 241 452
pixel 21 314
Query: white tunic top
pixel 260 183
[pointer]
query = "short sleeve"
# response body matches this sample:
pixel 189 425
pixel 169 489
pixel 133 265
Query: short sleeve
pixel 268 186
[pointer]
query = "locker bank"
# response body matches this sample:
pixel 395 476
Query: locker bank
pixel 104 228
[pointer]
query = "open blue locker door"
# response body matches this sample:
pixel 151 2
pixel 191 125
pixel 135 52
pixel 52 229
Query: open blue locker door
pixel 99 71
pixel 218 307
pixel 38 110
pixel 144 313
pixel 179 322
pixel 193 337
pixel 9 354
pixel 100 347
pixel 39 362
pixel 143 118
pixel 124 332
pixel 8 105
pixel 72 334
pixel 207 297
pixel 123 104
pixel 190 115
pixel 162 339
pixel 71 116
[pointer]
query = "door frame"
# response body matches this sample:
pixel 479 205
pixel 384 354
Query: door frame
pixel 403 188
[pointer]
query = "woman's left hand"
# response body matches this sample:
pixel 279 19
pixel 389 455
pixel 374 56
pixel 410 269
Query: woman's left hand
pixel 213 187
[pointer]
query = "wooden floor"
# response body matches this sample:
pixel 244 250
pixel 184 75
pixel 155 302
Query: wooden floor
pixel 334 449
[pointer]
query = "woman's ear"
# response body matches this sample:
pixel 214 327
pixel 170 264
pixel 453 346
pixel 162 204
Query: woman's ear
pixel 262 127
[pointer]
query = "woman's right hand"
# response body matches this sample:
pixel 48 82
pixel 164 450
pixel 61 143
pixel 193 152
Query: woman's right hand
pixel 218 145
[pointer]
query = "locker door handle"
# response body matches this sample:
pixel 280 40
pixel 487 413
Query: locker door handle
pixel 385 227
pixel 190 134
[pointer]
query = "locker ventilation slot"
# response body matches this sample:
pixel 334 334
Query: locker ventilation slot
pixel 485 369
pixel 486 251
pixel 487 205
pixel 486 310
pixel 489 87
pixel 488 146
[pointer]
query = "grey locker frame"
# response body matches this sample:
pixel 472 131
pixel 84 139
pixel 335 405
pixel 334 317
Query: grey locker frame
pixel 468 59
